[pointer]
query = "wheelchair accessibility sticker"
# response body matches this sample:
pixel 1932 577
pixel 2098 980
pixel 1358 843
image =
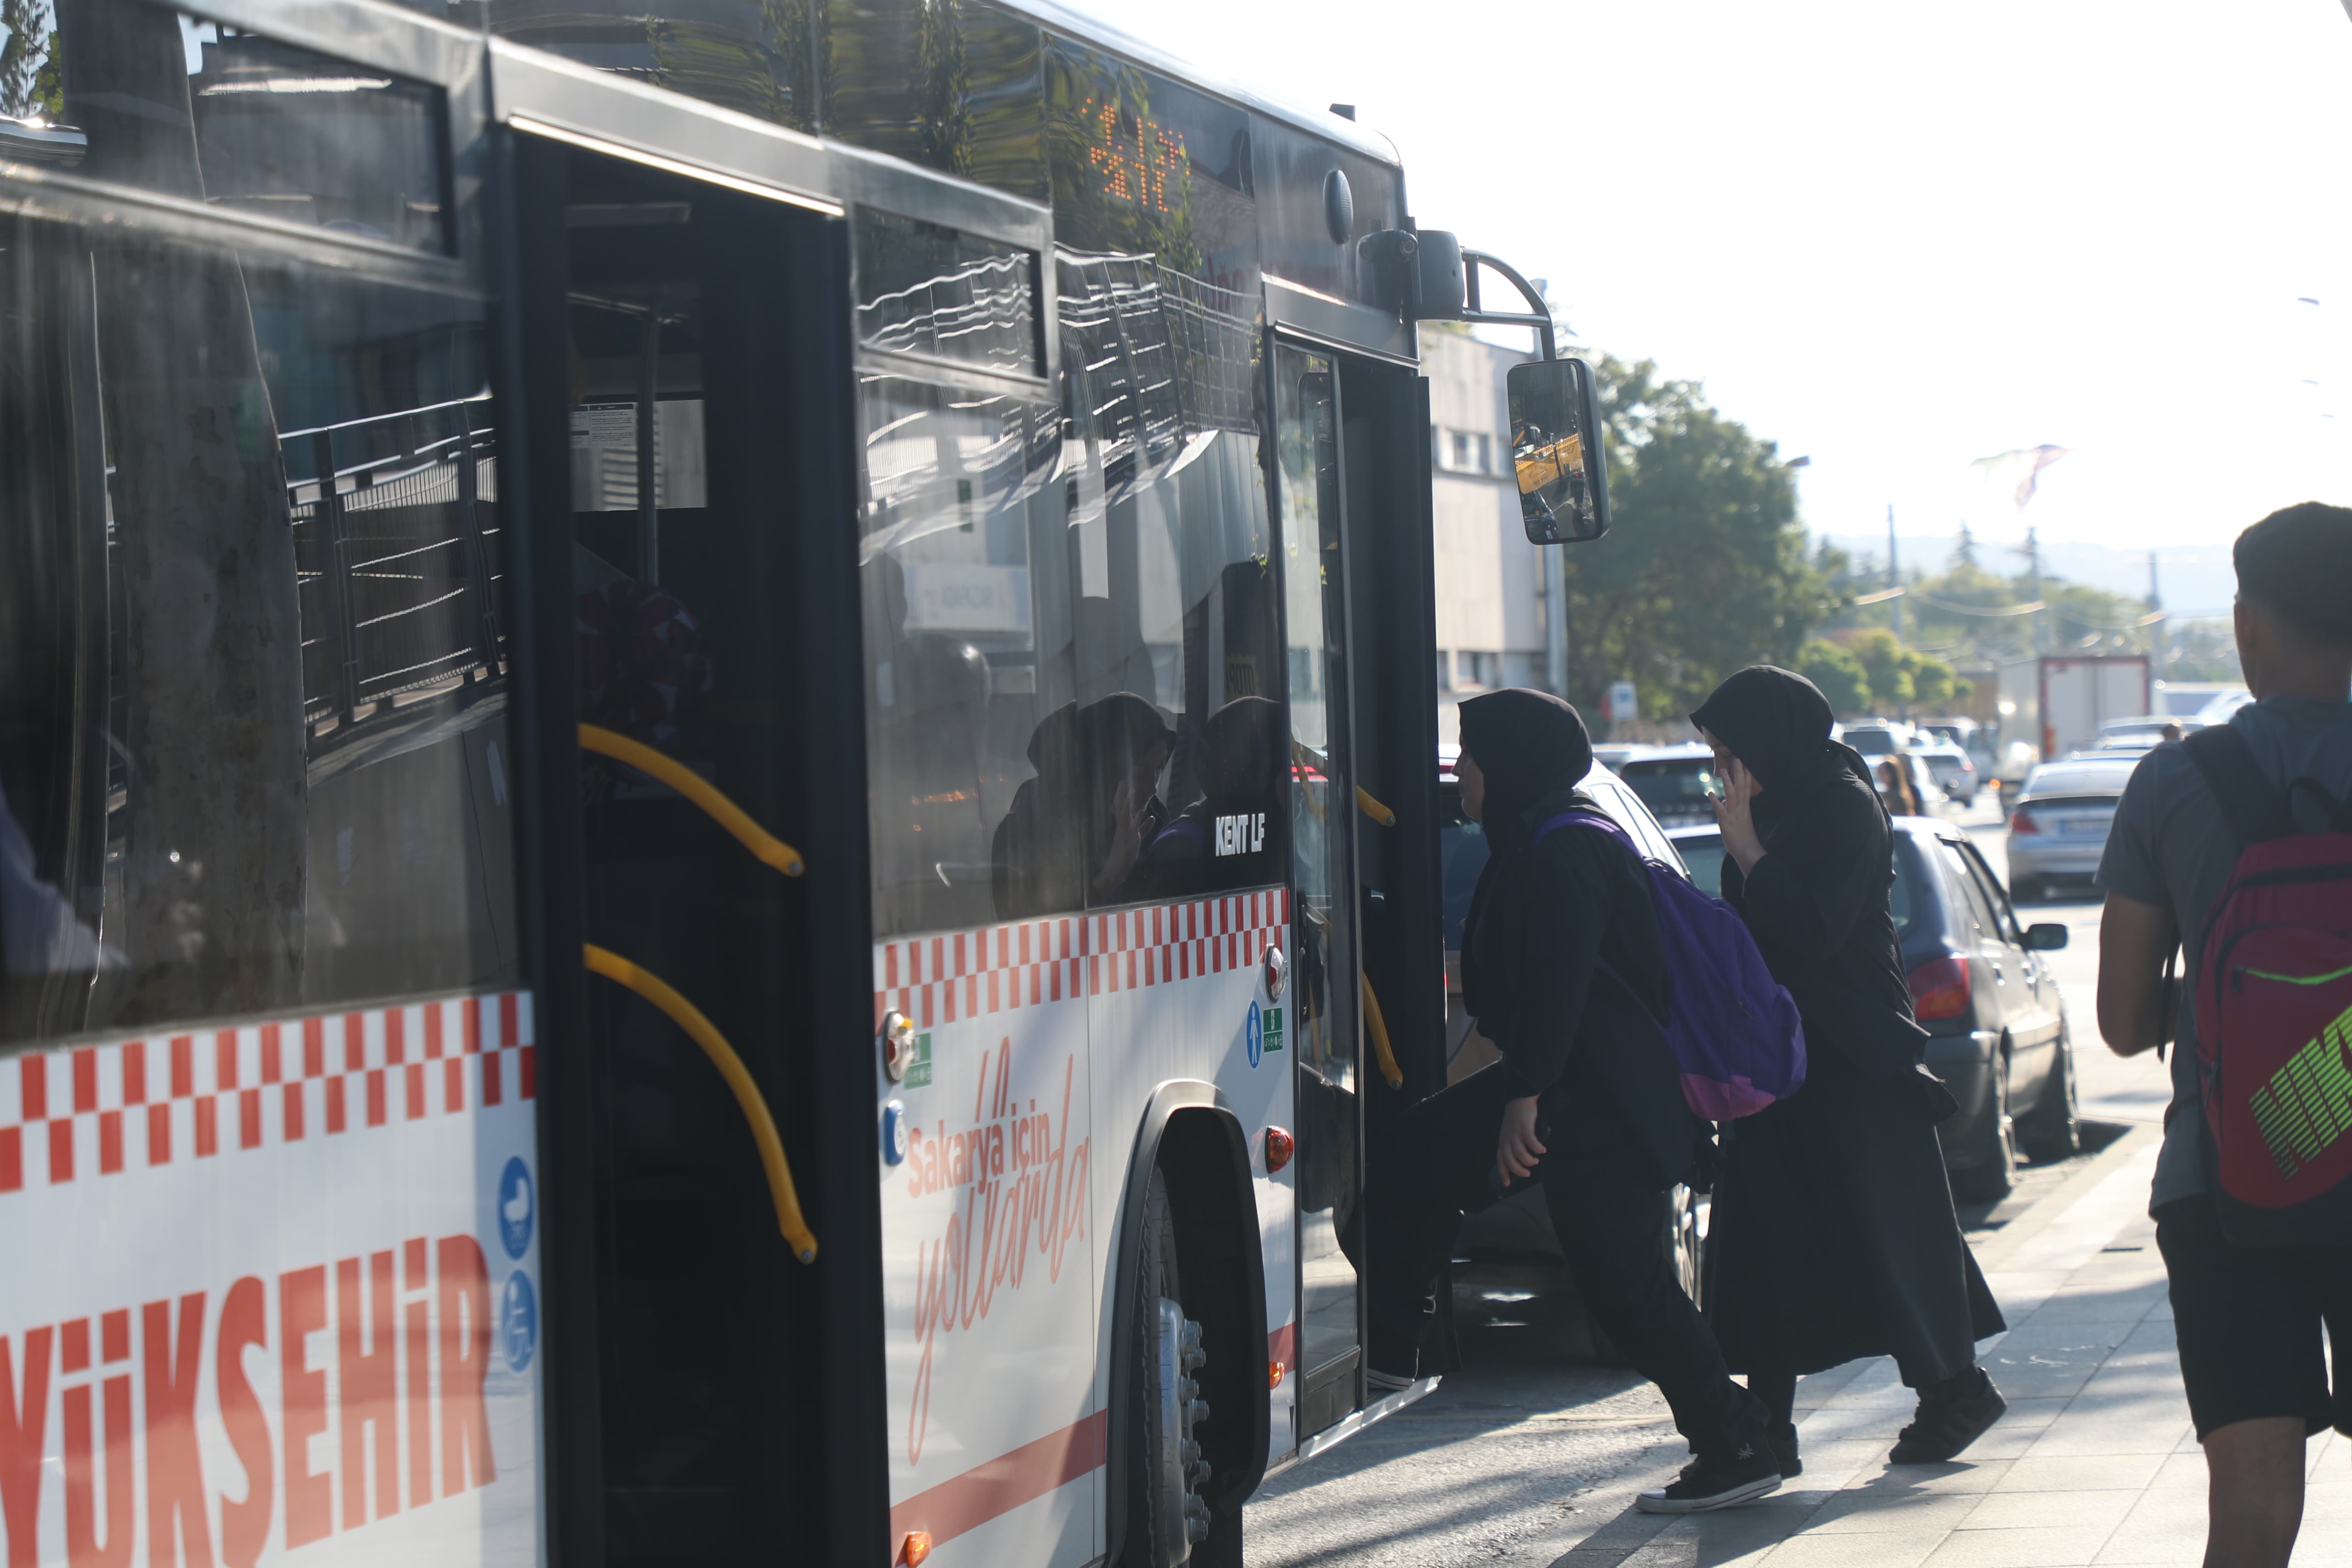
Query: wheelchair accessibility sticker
pixel 1263 1032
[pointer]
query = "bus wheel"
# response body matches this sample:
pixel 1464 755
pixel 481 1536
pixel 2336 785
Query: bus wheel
pixel 1166 1512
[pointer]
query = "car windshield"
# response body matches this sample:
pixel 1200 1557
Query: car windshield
pixel 1671 786
pixel 1871 741
pixel 2077 781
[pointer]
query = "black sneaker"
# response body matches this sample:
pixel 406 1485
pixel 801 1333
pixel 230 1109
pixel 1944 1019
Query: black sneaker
pixel 1945 1424
pixel 1718 1481
pixel 1784 1452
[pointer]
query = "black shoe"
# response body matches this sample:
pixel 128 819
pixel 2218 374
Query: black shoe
pixel 1946 1423
pixel 1718 1481
pixel 1784 1452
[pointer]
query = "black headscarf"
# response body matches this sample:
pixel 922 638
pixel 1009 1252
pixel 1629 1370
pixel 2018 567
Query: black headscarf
pixel 1778 723
pixel 1529 744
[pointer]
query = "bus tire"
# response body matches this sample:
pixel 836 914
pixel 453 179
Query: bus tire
pixel 1166 1513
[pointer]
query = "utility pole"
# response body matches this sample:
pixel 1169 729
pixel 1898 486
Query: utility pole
pixel 2033 564
pixel 2156 629
pixel 1893 573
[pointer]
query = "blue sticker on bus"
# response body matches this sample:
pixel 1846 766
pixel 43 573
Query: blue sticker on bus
pixel 1253 1035
pixel 518 1320
pixel 518 1206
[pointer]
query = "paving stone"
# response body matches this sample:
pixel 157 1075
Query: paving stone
pixel 2113 1472
pixel 1927 1514
pixel 2056 1546
pixel 2016 1510
pixel 1811 1551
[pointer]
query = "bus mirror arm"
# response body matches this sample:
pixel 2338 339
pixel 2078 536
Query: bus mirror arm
pixel 1428 275
pixel 688 1016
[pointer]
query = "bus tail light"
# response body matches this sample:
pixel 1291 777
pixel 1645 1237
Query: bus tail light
pixel 1940 988
pixel 1279 1146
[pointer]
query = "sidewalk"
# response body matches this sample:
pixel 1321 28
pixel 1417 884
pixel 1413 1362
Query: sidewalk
pixel 2095 1463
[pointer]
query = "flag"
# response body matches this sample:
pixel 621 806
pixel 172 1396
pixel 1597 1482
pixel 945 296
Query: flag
pixel 2016 472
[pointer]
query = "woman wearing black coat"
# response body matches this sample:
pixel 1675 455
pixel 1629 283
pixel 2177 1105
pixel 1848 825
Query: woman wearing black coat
pixel 1563 969
pixel 1834 1235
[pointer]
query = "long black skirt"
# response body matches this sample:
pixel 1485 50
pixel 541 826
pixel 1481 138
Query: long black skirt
pixel 1834 1237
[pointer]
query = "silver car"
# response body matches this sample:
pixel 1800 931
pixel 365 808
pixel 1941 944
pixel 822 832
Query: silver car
pixel 1953 769
pixel 2058 827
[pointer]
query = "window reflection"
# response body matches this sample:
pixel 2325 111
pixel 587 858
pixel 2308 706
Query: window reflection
pixel 248 124
pixel 252 678
pixel 929 290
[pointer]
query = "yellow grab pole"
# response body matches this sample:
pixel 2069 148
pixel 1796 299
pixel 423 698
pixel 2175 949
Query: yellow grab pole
pixel 1373 808
pixel 1380 1033
pixel 771 849
pixel 688 1016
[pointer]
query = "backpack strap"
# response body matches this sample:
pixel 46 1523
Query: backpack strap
pixel 2339 812
pixel 1581 816
pixel 2253 809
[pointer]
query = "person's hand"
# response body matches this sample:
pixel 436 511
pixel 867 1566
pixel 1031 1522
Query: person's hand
pixel 1734 813
pixel 1128 807
pixel 1517 1147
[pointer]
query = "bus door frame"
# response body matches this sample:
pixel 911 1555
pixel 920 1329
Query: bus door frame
pixel 1386 550
pixel 548 108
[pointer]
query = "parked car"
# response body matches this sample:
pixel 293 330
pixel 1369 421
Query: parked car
pixel 1673 781
pixel 1516 1232
pixel 2058 824
pixel 1954 771
pixel 1701 846
pixel 1874 738
pixel 1996 1023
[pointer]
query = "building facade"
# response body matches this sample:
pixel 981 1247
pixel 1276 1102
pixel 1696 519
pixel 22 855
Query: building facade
pixel 1489 579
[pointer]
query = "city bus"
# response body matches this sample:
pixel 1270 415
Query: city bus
pixel 718 814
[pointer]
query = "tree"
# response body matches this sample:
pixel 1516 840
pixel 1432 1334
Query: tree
pixel 1838 673
pixel 1705 568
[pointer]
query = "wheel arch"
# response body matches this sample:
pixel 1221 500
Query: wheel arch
pixel 1192 1135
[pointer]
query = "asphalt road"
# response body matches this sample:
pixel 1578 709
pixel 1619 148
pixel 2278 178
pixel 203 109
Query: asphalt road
pixel 1509 1460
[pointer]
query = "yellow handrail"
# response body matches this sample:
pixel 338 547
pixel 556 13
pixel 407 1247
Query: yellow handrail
pixel 771 850
pixel 1373 808
pixel 688 1016
pixel 1380 1033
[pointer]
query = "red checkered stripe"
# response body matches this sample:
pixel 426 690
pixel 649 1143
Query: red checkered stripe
pixel 89 1111
pixel 970 974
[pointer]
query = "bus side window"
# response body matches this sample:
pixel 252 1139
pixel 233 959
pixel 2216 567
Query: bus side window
pixel 967 655
pixel 253 661
pixel 1176 613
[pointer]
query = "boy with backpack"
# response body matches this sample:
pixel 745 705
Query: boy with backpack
pixel 2236 844
pixel 1578 969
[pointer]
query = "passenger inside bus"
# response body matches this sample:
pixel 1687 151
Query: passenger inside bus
pixel 1077 830
pixel 1237 815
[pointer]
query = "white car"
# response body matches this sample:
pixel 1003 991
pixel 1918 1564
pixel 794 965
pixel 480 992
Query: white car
pixel 1954 771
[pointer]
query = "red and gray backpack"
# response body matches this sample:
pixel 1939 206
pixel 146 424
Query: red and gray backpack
pixel 2274 1009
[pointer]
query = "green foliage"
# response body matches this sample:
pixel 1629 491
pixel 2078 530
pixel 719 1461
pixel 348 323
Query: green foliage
pixel 1893 675
pixel 1838 673
pixel 29 82
pixel 1704 569
pixel 1935 612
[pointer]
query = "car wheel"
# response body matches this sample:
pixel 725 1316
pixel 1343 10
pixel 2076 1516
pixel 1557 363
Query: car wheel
pixel 2052 1129
pixel 1165 1512
pixel 1991 1154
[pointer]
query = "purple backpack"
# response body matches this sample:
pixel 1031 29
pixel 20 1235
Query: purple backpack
pixel 1732 1028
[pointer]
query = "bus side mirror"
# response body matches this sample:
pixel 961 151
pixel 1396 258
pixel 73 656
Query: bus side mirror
pixel 1555 449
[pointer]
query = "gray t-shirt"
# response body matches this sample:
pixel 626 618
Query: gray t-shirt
pixel 2171 845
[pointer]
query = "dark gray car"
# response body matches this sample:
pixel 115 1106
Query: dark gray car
pixel 1996 1024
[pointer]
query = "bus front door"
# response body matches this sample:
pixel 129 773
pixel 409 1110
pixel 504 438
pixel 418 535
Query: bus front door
pixel 688 450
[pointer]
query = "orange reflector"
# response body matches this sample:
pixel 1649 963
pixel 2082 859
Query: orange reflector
pixel 1274 1375
pixel 917 1547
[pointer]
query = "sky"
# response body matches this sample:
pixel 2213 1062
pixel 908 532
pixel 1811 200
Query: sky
pixel 1896 238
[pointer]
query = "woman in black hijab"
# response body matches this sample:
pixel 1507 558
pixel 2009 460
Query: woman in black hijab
pixel 1074 832
pixel 1834 1235
pixel 1563 969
